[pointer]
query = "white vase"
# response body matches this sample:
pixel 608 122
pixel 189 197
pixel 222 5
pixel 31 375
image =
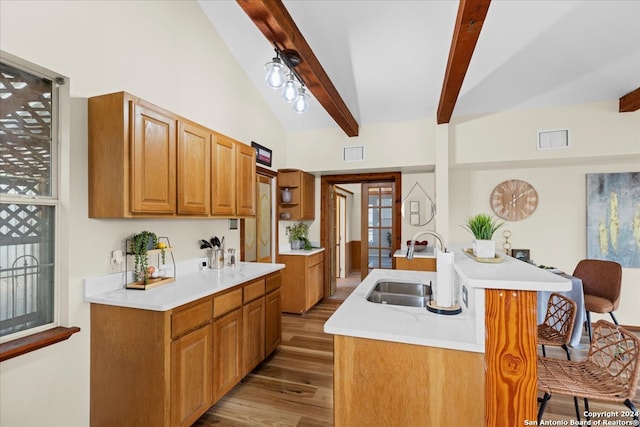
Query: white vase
pixel 484 248
pixel 286 196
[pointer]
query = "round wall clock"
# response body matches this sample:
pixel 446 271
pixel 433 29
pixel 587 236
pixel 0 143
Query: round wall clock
pixel 514 200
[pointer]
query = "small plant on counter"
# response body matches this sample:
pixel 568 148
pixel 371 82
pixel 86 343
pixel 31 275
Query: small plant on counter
pixel 139 244
pixel 482 226
pixel 298 235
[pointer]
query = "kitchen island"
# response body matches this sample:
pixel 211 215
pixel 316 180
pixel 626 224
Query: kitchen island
pixel 449 370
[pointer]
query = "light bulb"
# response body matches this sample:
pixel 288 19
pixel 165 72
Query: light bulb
pixel 290 92
pixel 275 74
pixel 301 104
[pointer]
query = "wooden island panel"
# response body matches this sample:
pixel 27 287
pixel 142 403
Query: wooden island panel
pixel 386 383
pixel 511 355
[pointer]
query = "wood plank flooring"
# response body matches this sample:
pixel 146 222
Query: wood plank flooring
pixel 294 386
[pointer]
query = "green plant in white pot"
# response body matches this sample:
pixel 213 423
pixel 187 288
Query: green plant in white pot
pixel 482 227
pixel 298 234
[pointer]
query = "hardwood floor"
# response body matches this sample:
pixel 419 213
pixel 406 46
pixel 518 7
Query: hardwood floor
pixel 294 386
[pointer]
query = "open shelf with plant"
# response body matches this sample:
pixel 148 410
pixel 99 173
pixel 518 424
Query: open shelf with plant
pixel 144 276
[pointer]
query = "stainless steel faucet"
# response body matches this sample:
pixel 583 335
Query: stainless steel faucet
pixel 413 242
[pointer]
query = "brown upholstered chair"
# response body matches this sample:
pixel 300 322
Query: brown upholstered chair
pixel 558 323
pixel 601 282
pixel 610 372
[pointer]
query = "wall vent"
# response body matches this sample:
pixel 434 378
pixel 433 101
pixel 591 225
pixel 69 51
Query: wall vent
pixel 353 154
pixel 553 139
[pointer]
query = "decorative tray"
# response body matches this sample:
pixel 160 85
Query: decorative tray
pixel 151 283
pixel 496 259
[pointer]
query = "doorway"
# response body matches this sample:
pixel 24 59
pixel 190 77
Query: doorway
pixel 329 224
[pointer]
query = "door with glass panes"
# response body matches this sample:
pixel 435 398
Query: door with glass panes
pixel 377 225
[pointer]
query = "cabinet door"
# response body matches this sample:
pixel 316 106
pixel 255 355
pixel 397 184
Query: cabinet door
pixel 315 284
pixel 273 321
pixel 194 163
pixel 191 380
pixel 227 352
pixel 253 318
pixel 246 180
pixel 153 161
pixel 223 176
pixel 308 196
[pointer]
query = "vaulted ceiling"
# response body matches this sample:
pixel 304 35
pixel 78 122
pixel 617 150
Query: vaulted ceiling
pixel 370 62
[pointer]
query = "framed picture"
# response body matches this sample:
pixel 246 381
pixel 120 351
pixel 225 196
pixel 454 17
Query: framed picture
pixel 521 254
pixel 263 154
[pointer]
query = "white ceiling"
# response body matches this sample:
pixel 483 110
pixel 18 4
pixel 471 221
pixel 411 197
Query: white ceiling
pixel 388 58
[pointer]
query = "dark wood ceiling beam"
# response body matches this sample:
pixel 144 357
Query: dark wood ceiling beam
pixel 630 102
pixel 274 21
pixel 471 15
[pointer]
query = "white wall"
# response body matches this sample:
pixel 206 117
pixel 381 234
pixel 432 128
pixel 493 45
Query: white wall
pixel 489 150
pixel 167 53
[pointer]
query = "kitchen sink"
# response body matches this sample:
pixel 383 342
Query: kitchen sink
pixel 398 299
pixel 408 294
pixel 402 288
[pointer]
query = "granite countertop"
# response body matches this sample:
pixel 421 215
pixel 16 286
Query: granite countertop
pixel 190 284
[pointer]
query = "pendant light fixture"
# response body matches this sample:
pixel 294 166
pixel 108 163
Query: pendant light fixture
pixel 281 74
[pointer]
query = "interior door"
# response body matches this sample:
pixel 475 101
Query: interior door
pixel 341 206
pixel 377 225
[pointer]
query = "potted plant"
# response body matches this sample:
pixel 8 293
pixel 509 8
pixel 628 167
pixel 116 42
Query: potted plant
pixel 298 235
pixel 139 244
pixel 482 226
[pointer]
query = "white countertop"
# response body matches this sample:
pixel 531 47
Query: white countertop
pixel 358 317
pixel 429 252
pixel 188 286
pixel 508 274
pixel 302 252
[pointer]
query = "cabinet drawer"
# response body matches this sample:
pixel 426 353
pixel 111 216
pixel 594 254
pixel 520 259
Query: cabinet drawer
pixel 190 318
pixel 273 282
pixel 253 290
pixel 316 259
pixel 227 302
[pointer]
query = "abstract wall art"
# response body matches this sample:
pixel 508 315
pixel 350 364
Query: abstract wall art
pixel 613 217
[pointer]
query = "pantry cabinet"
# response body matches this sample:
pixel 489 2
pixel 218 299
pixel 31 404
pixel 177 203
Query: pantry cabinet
pixel 166 368
pixel 145 161
pixel 301 187
pixel 302 281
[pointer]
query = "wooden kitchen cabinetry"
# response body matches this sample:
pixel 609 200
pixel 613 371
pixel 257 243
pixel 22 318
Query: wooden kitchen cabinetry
pixel 233 177
pixel 302 281
pixel 145 161
pixel 166 368
pixel 302 187
pixel 194 164
pixel 417 263
pixel 273 310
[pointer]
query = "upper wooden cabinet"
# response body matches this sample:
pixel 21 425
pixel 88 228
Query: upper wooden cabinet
pixel 302 187
pixel 194 164
pixel 145 161
pixel 233 175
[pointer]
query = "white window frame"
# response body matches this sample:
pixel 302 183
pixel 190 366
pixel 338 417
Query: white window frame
pixel 60 125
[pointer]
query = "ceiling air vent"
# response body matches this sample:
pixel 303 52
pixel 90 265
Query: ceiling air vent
pixel 552 139
pixel 353 154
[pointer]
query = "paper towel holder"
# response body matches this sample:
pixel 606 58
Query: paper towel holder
pixel 432 307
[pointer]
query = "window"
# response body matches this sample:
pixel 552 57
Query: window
pixel 29 198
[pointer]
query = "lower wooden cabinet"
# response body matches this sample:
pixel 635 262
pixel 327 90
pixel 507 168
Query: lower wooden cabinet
pixel 227 352
pixel 416 264
pixel 302 281
pixel 191 376
pixel 166 368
